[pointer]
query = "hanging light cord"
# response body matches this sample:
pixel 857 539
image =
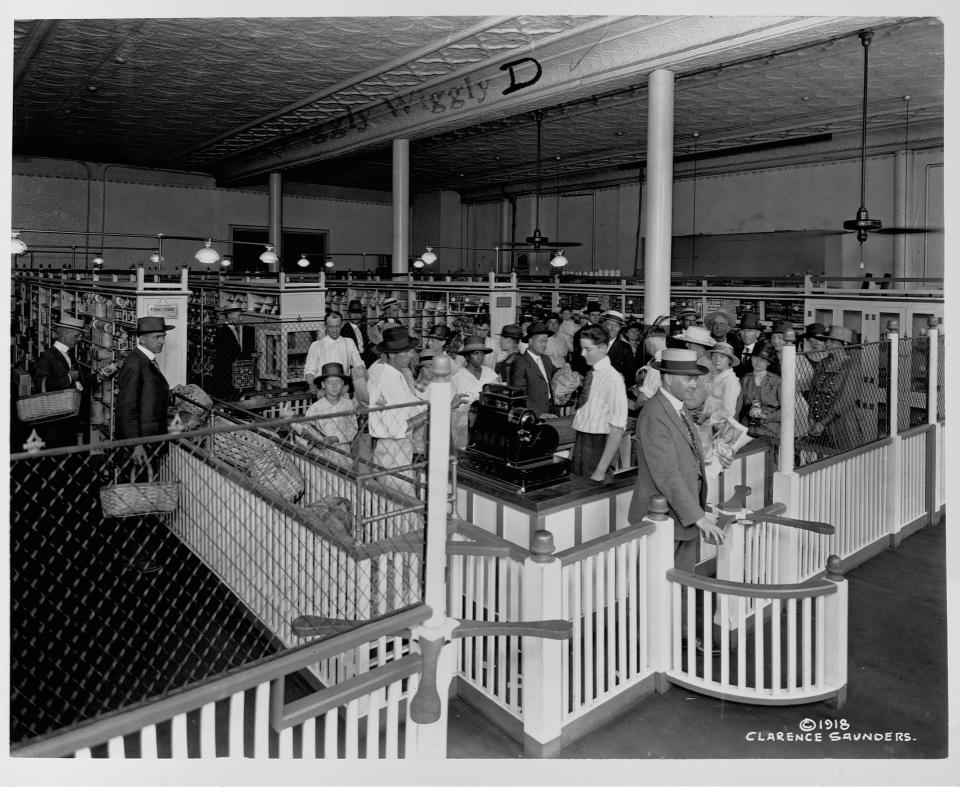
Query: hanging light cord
pixel 693 234
pixel 539 116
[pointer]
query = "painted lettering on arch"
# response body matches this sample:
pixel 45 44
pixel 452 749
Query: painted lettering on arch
pixel 519 69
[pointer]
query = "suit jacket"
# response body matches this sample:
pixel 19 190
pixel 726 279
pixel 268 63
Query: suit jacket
pixel 525 374
pixel 577 362
pixel 140 409
pixel 622 359
pixel 228 351
pixel 668 466
pixel 52 368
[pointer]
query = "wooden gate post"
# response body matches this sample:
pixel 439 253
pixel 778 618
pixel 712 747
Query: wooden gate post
pixel 893 492
pixel 659 591
pixel 543 673
pixel 835 629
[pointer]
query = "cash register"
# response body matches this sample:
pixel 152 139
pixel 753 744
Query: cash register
pixel 508 446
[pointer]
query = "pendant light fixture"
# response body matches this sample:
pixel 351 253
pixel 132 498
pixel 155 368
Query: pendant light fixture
pixel 328 263
pixel 303 262
pixel 225 262
pixel 863 224
pixel 207 255
pixel 558 260
pixel 269 256
pixel 17 246
pixel 428 256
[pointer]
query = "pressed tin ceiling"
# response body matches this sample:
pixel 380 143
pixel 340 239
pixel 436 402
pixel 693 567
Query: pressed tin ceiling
pixel 319 98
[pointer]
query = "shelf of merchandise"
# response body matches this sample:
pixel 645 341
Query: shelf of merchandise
pixel 109 304
pixel 286 313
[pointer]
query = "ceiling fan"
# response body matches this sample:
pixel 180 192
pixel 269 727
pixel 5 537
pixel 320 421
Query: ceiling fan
pixel 863 225
pixel 538 242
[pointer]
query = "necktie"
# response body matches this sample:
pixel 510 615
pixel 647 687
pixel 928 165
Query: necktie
pixel 71 359
pixel 585 391
pixel 692 434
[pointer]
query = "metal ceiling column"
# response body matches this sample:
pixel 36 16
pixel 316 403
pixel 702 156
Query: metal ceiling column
pixel 659 196
pixel 401 205
pixel 276 215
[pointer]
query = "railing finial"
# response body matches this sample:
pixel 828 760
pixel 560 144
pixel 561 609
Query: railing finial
pixel 542 546
pixel 658 507
pixel 834 568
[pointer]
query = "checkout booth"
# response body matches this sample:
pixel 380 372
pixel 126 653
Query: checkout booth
pixel 513 478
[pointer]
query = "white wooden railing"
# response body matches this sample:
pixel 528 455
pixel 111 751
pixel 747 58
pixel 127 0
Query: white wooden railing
pixel 344 721
pixel 795 651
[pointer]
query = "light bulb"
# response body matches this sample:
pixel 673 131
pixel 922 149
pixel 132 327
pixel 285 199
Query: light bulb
pixel 269 256
pixel 207 255
pixel 558 260
pixel 428 256
pixel 303 262
pixel 155 258
pixel 17 246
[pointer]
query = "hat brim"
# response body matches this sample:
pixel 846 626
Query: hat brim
pixel 78 328
pixel 684 338
pixel 688 368
pixel 382 347
pixel 734 361
pixel 484 350
pixel 343 377
pixel 155 330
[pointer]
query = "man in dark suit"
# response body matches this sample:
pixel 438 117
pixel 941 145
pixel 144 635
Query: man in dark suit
pixel 229 344
pixel 141 404
pixel 619 350
pixel 58 370
pixel 749 334
pixel 669 461
pixel 355 328
pixel 534 370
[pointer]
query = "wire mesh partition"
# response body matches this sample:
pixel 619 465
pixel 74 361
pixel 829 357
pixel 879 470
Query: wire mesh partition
pixel 912 383
pixel 141 567
pixel 845 391
pixel 941 378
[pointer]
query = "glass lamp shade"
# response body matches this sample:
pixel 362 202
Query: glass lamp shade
pixel 303 262
pixel 428 256
pixel 329 263
pixel 98 260
pixel 418 263
pixel 269 256
pixel 155 258
pixel 207 255
pixel 225 262
pixel 558 260
pixel 17 246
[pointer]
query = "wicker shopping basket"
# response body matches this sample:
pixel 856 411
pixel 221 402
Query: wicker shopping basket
pixel 49 405
pixel 195 400
pixel 138 498
pixel 277 472
pixel 240 446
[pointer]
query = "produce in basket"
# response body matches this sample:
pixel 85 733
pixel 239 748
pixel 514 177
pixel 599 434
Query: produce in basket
pixel 565 382
pixel 336 512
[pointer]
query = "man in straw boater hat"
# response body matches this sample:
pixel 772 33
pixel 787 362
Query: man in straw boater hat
pixel 701 342
pixel 669 459
pixel 58 370
pixel 391 430
pixel 140 409
pixel 619 350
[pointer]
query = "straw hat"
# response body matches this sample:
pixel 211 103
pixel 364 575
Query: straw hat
pixel 66 321
pixel 674 361
pixel 725 349
pixel 616 316
pixel 697 335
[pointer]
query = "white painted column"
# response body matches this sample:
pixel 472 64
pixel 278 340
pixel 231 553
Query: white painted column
pixel 893 492
pixel 932 380
pixel 276 214
pixel 401 204
pixel 659 196
pixel 785 479
pixel 658 591
pixel 902 167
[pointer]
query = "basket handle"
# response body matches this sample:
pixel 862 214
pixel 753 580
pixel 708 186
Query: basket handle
pixel 43 385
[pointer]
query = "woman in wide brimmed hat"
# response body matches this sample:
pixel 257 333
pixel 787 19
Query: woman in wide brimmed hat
pixel 761 393
pixel 723 393
pixel 466 385
pixel 701 342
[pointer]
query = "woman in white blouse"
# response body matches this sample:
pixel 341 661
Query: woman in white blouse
pixel 723 394
pixel 466 385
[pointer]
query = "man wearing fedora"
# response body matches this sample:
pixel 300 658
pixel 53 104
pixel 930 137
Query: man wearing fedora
pixel 511 346
pixel 748 334
pixel 392 384
pixel 533 371
pixel 229 344
pixel 355 328
pixel 836 420
pixel 669 458
pixel 141 403
pixel 58 370
pixel 621 353
pixel 390 315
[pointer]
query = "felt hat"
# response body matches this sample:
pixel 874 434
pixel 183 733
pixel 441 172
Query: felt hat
pixel 782 326
pixel 750 321
pixel 388 303
pixel 426 355
pixel 152 325
pixel 441 331
pixel 66 321
pixel 538 327
pixel 838 333
pixel 725 349
pixel 687 313
pixel 231 306
pixel 611 314
pixel 674 361
pixel 395 340
pixel 697 335
pixel 591 307
pixel 333 370
pixel 355 306
pixel 712 317
pixel 764 350
pixel 472 344
pixel 815 330
pixel 512 332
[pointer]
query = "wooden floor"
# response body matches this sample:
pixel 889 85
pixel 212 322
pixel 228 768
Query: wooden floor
pixel 897 685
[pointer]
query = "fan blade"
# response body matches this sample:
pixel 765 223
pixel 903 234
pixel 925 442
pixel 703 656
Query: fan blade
pixel 906 230
pixel 530 245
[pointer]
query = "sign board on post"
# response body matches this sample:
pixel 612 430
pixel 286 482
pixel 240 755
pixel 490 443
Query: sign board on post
pixel 169 311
